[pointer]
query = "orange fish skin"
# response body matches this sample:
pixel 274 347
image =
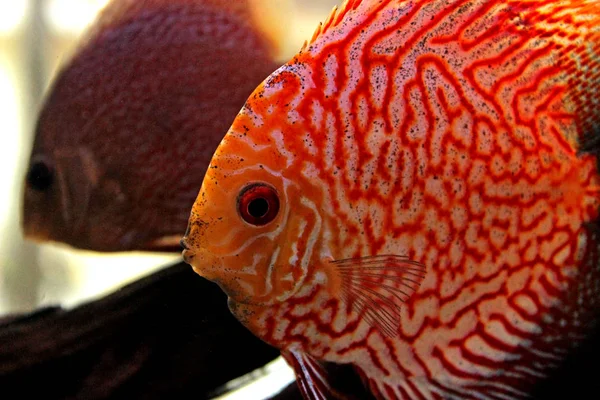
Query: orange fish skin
pixel 460 135
pixel 131 122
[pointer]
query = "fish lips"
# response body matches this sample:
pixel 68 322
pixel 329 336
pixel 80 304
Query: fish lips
pixel 188 256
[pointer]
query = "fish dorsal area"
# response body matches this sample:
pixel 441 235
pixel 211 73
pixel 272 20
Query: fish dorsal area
pixel 448 135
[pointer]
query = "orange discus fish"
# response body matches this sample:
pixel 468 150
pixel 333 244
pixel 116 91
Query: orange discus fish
pixel 144 100
pixel 416 194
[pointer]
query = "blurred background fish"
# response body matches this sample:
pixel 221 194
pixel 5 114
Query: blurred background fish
pixel 50 50
pixel 130 123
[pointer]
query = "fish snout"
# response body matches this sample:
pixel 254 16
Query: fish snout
pixel 188 256
pixel 198 251
pixel 193 235
pixel 183 244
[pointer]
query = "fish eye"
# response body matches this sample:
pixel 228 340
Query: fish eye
pixel 258 204
pixel 40 177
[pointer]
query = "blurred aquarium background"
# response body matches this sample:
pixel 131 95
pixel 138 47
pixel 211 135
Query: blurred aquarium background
pixel 35 37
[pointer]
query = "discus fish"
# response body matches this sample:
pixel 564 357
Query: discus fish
pixel 416 194
pixel 132 120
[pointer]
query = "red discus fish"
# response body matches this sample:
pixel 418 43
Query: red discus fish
pixel 416 194
pixel 143 102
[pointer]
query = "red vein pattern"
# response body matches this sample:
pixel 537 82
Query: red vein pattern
pixel 444 131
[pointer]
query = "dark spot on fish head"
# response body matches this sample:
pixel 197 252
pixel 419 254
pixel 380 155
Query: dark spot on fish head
pixel 40 176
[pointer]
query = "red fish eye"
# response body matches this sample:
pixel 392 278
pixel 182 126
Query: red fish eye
pixel 258 204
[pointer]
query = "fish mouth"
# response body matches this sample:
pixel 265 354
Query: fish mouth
pixel 188 256
pixel 203 263
pixel 184 244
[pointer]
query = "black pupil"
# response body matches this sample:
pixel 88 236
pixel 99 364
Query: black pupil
pixel 258 208
pixel 39 176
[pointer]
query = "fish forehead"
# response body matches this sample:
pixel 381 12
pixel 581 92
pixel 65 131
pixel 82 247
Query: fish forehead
pixel 447 131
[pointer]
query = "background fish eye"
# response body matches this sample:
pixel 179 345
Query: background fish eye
pixel 40 176
pixel 258 204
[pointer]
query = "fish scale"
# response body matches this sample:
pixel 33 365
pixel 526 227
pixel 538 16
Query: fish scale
pixel 437 146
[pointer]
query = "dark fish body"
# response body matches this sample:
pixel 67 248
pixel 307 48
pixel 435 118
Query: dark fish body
pixel 131 121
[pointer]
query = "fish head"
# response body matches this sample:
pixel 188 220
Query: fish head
pixel 253 226
pixel 71 194
pixel 69 198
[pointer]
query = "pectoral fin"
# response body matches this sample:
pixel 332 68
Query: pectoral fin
pixel 378 286
pixel 311 377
